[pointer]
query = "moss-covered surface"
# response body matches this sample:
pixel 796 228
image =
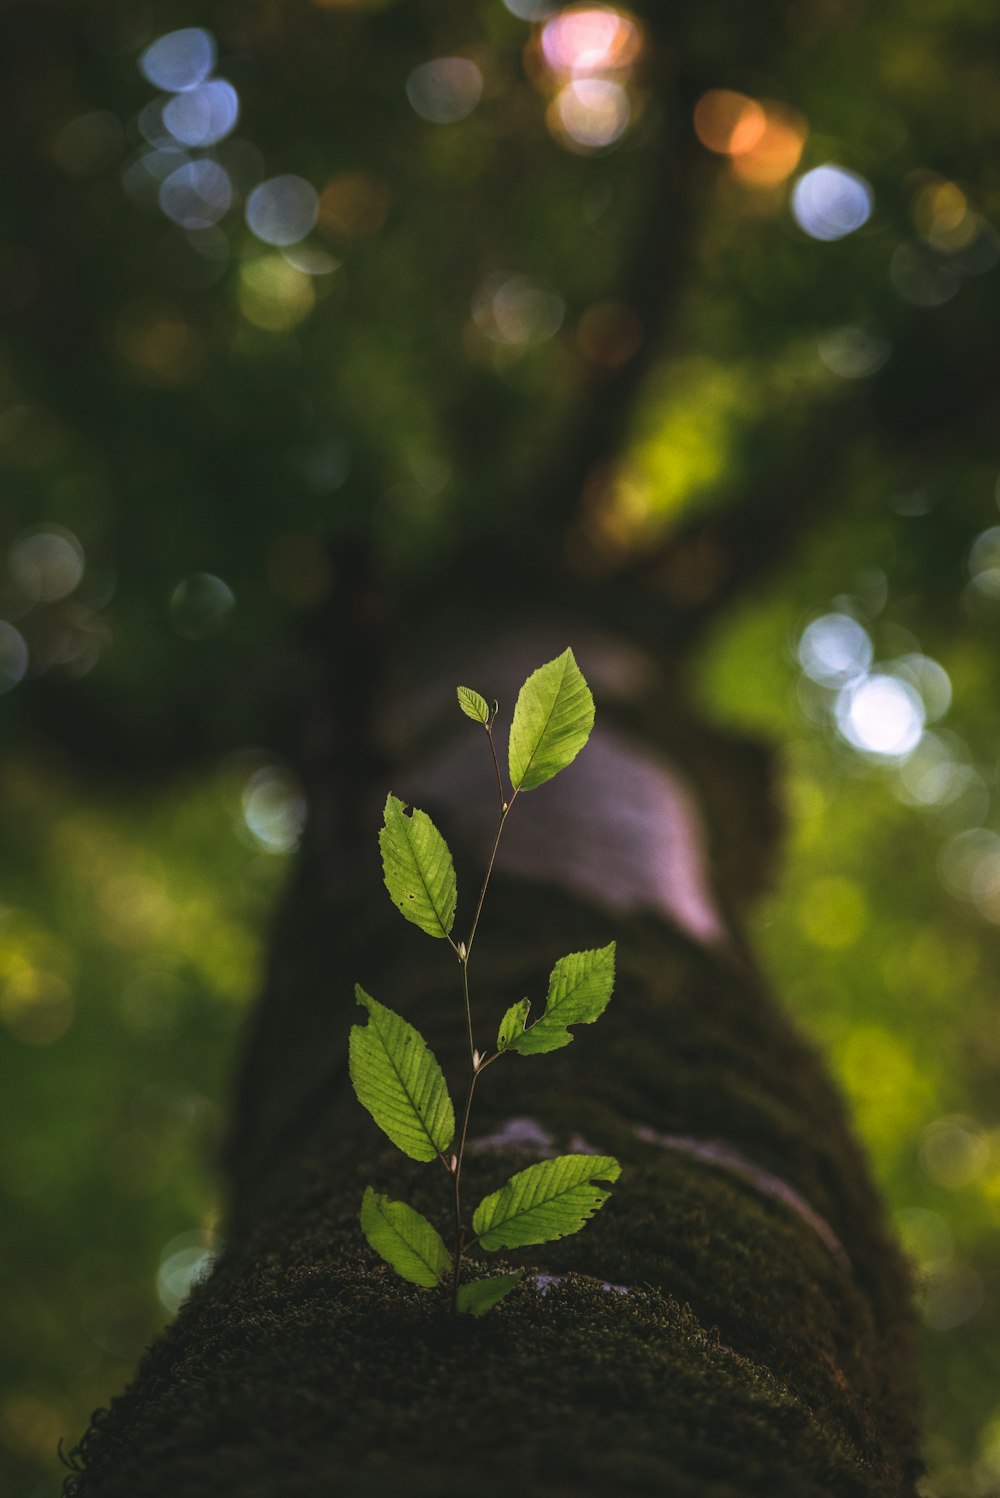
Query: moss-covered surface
pixel 746 1358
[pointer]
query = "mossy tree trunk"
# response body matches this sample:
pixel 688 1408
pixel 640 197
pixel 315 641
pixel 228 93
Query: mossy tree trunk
pixel 733 1322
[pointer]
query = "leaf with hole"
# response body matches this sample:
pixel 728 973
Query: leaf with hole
pixel 550 1200
pixel 404 1239
pixel 473 705
pixel 398 1079
pixel 512 1024
pixel 580 988
pixel 480 1296
pixel 553 717
pixel 418 869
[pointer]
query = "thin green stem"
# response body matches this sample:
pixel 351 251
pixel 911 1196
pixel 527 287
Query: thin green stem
pixel 496 766
pixel 468 1012
pixel 460 1156
pixel 475 1066
pixel 489 870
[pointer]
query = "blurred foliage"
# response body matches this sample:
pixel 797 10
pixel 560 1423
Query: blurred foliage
pixel 593 306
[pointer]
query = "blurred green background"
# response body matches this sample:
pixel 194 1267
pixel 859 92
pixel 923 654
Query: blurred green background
pixel 519 275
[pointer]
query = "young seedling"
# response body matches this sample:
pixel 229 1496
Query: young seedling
pixel 398 1078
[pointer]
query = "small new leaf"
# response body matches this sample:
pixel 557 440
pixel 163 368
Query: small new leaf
pixel 552 721
pixel 404 1239
pixel 398 1079
pixel 550 1200
pixel 480 1296
pixel 579 990
pixel 512 1025
pixel 473 705
pixel 418 868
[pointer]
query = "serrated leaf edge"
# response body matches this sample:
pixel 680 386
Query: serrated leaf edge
pixel 377 1199
pixel 565 1024
pixel 568 659
pixel 591 1180
pixel 445 931
pixel 364 1000
pixel 469 697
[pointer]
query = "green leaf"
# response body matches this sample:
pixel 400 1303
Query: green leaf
pixel 473 705
pixel 512 1024
pixel 480 1296
pixel 546 1201
pixel 552 722
pixel 397 1078
pixel 404 1239
pixel 579 989
pixel 418 869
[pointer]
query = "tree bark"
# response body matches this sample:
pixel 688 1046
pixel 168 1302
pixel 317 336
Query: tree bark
pixel 734 1321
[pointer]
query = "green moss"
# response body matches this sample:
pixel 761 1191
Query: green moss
pixel 746 1359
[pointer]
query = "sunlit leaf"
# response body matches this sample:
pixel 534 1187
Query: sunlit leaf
pixel 552 721
pixel 397 1078
pixel 512 1024
pixel 418 868
pixel 546 1201
pixel 404 1239
pixel 579 990
pixel 473 705
pixel 480 1296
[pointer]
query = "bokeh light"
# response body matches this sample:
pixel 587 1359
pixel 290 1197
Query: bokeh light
pixel 835 649
pixel 921 277
pixel 729 123
pixel 517 311
pixel 776 150
pixel 852 352
pixel 830 202
pixel 310 259
pixel 587 39
pixel 201 606
pixel 970 870
pixel 204 115
pixel 935 774
pixel 929 678
pixel 157 339
pixel 184 1262
pixel 274 808
pixel 275 295
pixel 36 1006
pixel 195 195
pixel 590 113
pixel 283 210
pixel 446 90
pixel 954 1151
pixel 180 60
pixel 584 58
pixel 13 656
pixel 530 10
pixel 46 563
pixel 984 562
pixel 944 218
pixel 881 715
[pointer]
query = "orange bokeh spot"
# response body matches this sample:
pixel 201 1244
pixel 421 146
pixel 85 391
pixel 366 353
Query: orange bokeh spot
pixel 776 152
pixel 729 123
